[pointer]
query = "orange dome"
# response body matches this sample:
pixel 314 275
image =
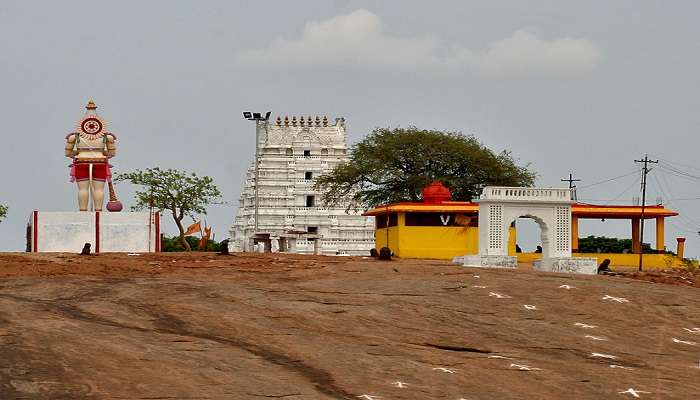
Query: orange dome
pixel 436 193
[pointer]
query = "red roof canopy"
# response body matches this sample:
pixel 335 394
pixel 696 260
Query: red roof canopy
pixel 579 210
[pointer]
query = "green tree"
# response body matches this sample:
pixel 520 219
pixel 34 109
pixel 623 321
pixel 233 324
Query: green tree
pixel 180 193
pixel 604 244
pixel 173 244
pixel 3 212
pixel 391 165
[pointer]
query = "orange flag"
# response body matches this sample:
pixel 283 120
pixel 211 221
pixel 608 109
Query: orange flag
pixel 194 228
pixel 205 238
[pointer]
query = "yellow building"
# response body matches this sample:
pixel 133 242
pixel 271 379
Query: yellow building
pixel 438 228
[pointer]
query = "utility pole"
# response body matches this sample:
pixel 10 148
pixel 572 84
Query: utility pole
pixel 645 170
pixel 571 181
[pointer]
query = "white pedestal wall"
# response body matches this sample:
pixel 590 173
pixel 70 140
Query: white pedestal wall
pixel 67 232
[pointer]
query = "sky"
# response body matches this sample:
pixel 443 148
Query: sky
pixel 568 87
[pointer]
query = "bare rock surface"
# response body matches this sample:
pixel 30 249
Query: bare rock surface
pixel 201 326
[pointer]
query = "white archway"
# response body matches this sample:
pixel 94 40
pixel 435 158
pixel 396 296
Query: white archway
pixel 549 207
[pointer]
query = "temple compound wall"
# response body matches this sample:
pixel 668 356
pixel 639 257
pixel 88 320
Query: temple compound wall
pixel 292 154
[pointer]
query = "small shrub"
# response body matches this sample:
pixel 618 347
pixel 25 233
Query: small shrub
pixel 669 259
pixel 690 265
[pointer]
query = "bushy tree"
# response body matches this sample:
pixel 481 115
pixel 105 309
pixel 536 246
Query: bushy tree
pixel 391 165
pixel 603 244
pixel 180 193
pixel 173 244
pixel 3 212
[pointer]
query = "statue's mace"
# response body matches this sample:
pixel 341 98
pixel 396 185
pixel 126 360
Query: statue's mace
pixel 114 205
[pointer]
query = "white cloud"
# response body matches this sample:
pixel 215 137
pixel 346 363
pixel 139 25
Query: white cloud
pixel 353 39
pixel 358 40
pixel 525 54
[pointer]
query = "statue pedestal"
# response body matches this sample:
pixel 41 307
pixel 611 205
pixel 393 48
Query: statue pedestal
pixel 67 232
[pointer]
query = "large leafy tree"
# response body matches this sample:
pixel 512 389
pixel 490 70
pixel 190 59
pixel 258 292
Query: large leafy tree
pixel 391 165
pixel 3 212
pixel 178 192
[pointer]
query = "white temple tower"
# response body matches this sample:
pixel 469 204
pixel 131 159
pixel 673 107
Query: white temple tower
pixel 292 217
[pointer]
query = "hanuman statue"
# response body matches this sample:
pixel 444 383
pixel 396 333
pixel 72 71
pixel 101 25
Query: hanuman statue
pixel 91 147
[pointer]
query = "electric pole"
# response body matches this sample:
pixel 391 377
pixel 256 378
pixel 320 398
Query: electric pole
pixel 645 170
pixel 571 181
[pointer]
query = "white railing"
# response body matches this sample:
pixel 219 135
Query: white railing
pixel 525 193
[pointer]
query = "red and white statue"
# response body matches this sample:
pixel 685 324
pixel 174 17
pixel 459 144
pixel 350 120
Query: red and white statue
pixel 91 147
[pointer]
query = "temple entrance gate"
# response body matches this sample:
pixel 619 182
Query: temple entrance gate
pixel 549 207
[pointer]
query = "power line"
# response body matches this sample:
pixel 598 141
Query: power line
pixel 622 193
pixel 682 217
pixel 685 199
pixel 665 194
pixel 609 180
pixel 671 169
pixel 679 164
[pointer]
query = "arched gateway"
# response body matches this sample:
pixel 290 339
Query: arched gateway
pixel 549 207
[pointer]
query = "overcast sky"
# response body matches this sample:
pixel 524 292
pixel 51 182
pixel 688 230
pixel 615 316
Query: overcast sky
pixel 581 87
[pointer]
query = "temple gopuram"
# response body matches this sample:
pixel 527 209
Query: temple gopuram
pixel 291 216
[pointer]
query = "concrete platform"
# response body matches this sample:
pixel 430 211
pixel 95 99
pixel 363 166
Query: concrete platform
pixel 571 265
pixel 67 232
pixel 488 261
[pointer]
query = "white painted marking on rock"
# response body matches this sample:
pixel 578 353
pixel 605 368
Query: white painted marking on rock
pixel 476 276
pixel 684 342
pixel 399 384
pixel 585 326
pixel 608 356
pixel 498 295
pixel 500 357
pixel 595 337
pixel 692 330
pixel 619 366
pixel 634 392
pixel 616 299
pixel 524 367
pixel 567 287
pixel 446 370
pixel 530 307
